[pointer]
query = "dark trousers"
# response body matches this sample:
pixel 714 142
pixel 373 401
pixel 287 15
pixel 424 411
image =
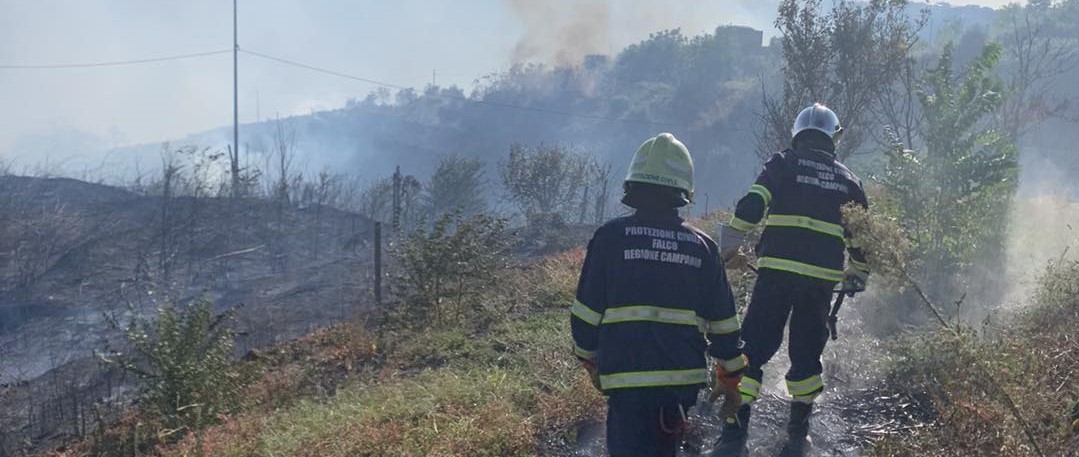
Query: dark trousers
pixel 776 296
pixel 647 422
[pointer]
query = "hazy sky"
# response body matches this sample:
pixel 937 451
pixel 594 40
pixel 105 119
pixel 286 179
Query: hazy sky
pixel 400 42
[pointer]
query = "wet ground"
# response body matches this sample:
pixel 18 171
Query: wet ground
pixel 855 410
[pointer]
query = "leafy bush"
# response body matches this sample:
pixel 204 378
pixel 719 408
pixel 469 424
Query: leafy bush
pixel 443 269
pixel 953 198
pixel 184 361
pixel 550 181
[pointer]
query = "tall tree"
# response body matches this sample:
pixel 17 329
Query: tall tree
pixel 547 181
pixel 954 198
pixel 457 185
pixel 376 200
pixel 844 57
pixel 1040 48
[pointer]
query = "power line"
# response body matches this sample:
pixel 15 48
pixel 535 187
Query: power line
pixel 456 97
pixel 114 63
pixel 338 74
pixel 321 70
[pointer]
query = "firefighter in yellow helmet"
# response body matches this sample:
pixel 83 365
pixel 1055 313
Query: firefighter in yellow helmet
pixel 652 302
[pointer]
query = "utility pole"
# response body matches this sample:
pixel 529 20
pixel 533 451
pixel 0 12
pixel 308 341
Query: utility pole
pixel 235 159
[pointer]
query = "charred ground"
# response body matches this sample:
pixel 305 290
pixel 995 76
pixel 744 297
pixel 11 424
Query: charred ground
pixel 77 255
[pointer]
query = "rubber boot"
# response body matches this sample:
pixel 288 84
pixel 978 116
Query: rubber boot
pixel 798 430
pixel 732 442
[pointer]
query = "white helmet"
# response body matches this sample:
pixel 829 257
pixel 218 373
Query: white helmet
pixel 817 117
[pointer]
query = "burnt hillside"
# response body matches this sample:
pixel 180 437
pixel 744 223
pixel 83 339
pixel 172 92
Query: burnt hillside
pixel 75 254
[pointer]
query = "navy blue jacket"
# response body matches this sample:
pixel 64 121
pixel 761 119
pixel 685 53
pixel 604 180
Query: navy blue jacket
pixel 802 191
pixel 651 289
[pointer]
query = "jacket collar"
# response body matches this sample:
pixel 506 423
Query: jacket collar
pixel 657 213
pixel 822 146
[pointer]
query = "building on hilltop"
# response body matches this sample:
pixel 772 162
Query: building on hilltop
pixel 741 37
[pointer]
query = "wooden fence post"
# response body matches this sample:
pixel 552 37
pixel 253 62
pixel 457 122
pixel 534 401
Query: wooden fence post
pixel 378 265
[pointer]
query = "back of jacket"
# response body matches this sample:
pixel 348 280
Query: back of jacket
pixel 650 290
pixel 802 191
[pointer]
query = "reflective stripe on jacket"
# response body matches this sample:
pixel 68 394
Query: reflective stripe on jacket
pixel 802 192
pixel 651 302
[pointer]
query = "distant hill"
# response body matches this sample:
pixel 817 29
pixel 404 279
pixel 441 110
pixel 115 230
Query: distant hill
pixel 705 89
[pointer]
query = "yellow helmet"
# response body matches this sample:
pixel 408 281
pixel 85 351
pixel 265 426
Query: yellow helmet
pixel 664 161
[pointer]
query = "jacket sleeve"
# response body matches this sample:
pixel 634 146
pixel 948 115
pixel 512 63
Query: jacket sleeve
pixel 718 316
pixel 857 260
pixel 752 206
pixel 590 303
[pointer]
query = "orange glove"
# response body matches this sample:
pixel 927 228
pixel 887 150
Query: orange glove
pixel 727 382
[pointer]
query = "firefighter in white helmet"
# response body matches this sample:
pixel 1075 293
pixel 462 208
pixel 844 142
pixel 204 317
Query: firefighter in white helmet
pixel 800 261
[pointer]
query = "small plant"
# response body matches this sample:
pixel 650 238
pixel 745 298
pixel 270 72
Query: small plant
pixel 184 363
pixel 443 269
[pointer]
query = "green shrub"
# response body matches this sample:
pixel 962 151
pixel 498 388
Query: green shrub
pixel 444 269
pixel 183 360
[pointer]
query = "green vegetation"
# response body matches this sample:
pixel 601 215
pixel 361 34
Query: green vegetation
pixel 499 381
pixel 953 199
pixel 183 360
pixel 505 385
pixel 1006 386
pixel 549 181
pixel 457 185
pixel 444 270
pixel 848 56
pixel 499 398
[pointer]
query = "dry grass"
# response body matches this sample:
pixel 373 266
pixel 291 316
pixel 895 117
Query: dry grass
pixel 439 412
pixel 510 388
pixel 533 395
pixel 1006 390
pixel 1034 359
pixel 310 367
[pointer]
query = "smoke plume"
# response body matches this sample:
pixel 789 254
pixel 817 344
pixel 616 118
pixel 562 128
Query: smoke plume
pixel 561 33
